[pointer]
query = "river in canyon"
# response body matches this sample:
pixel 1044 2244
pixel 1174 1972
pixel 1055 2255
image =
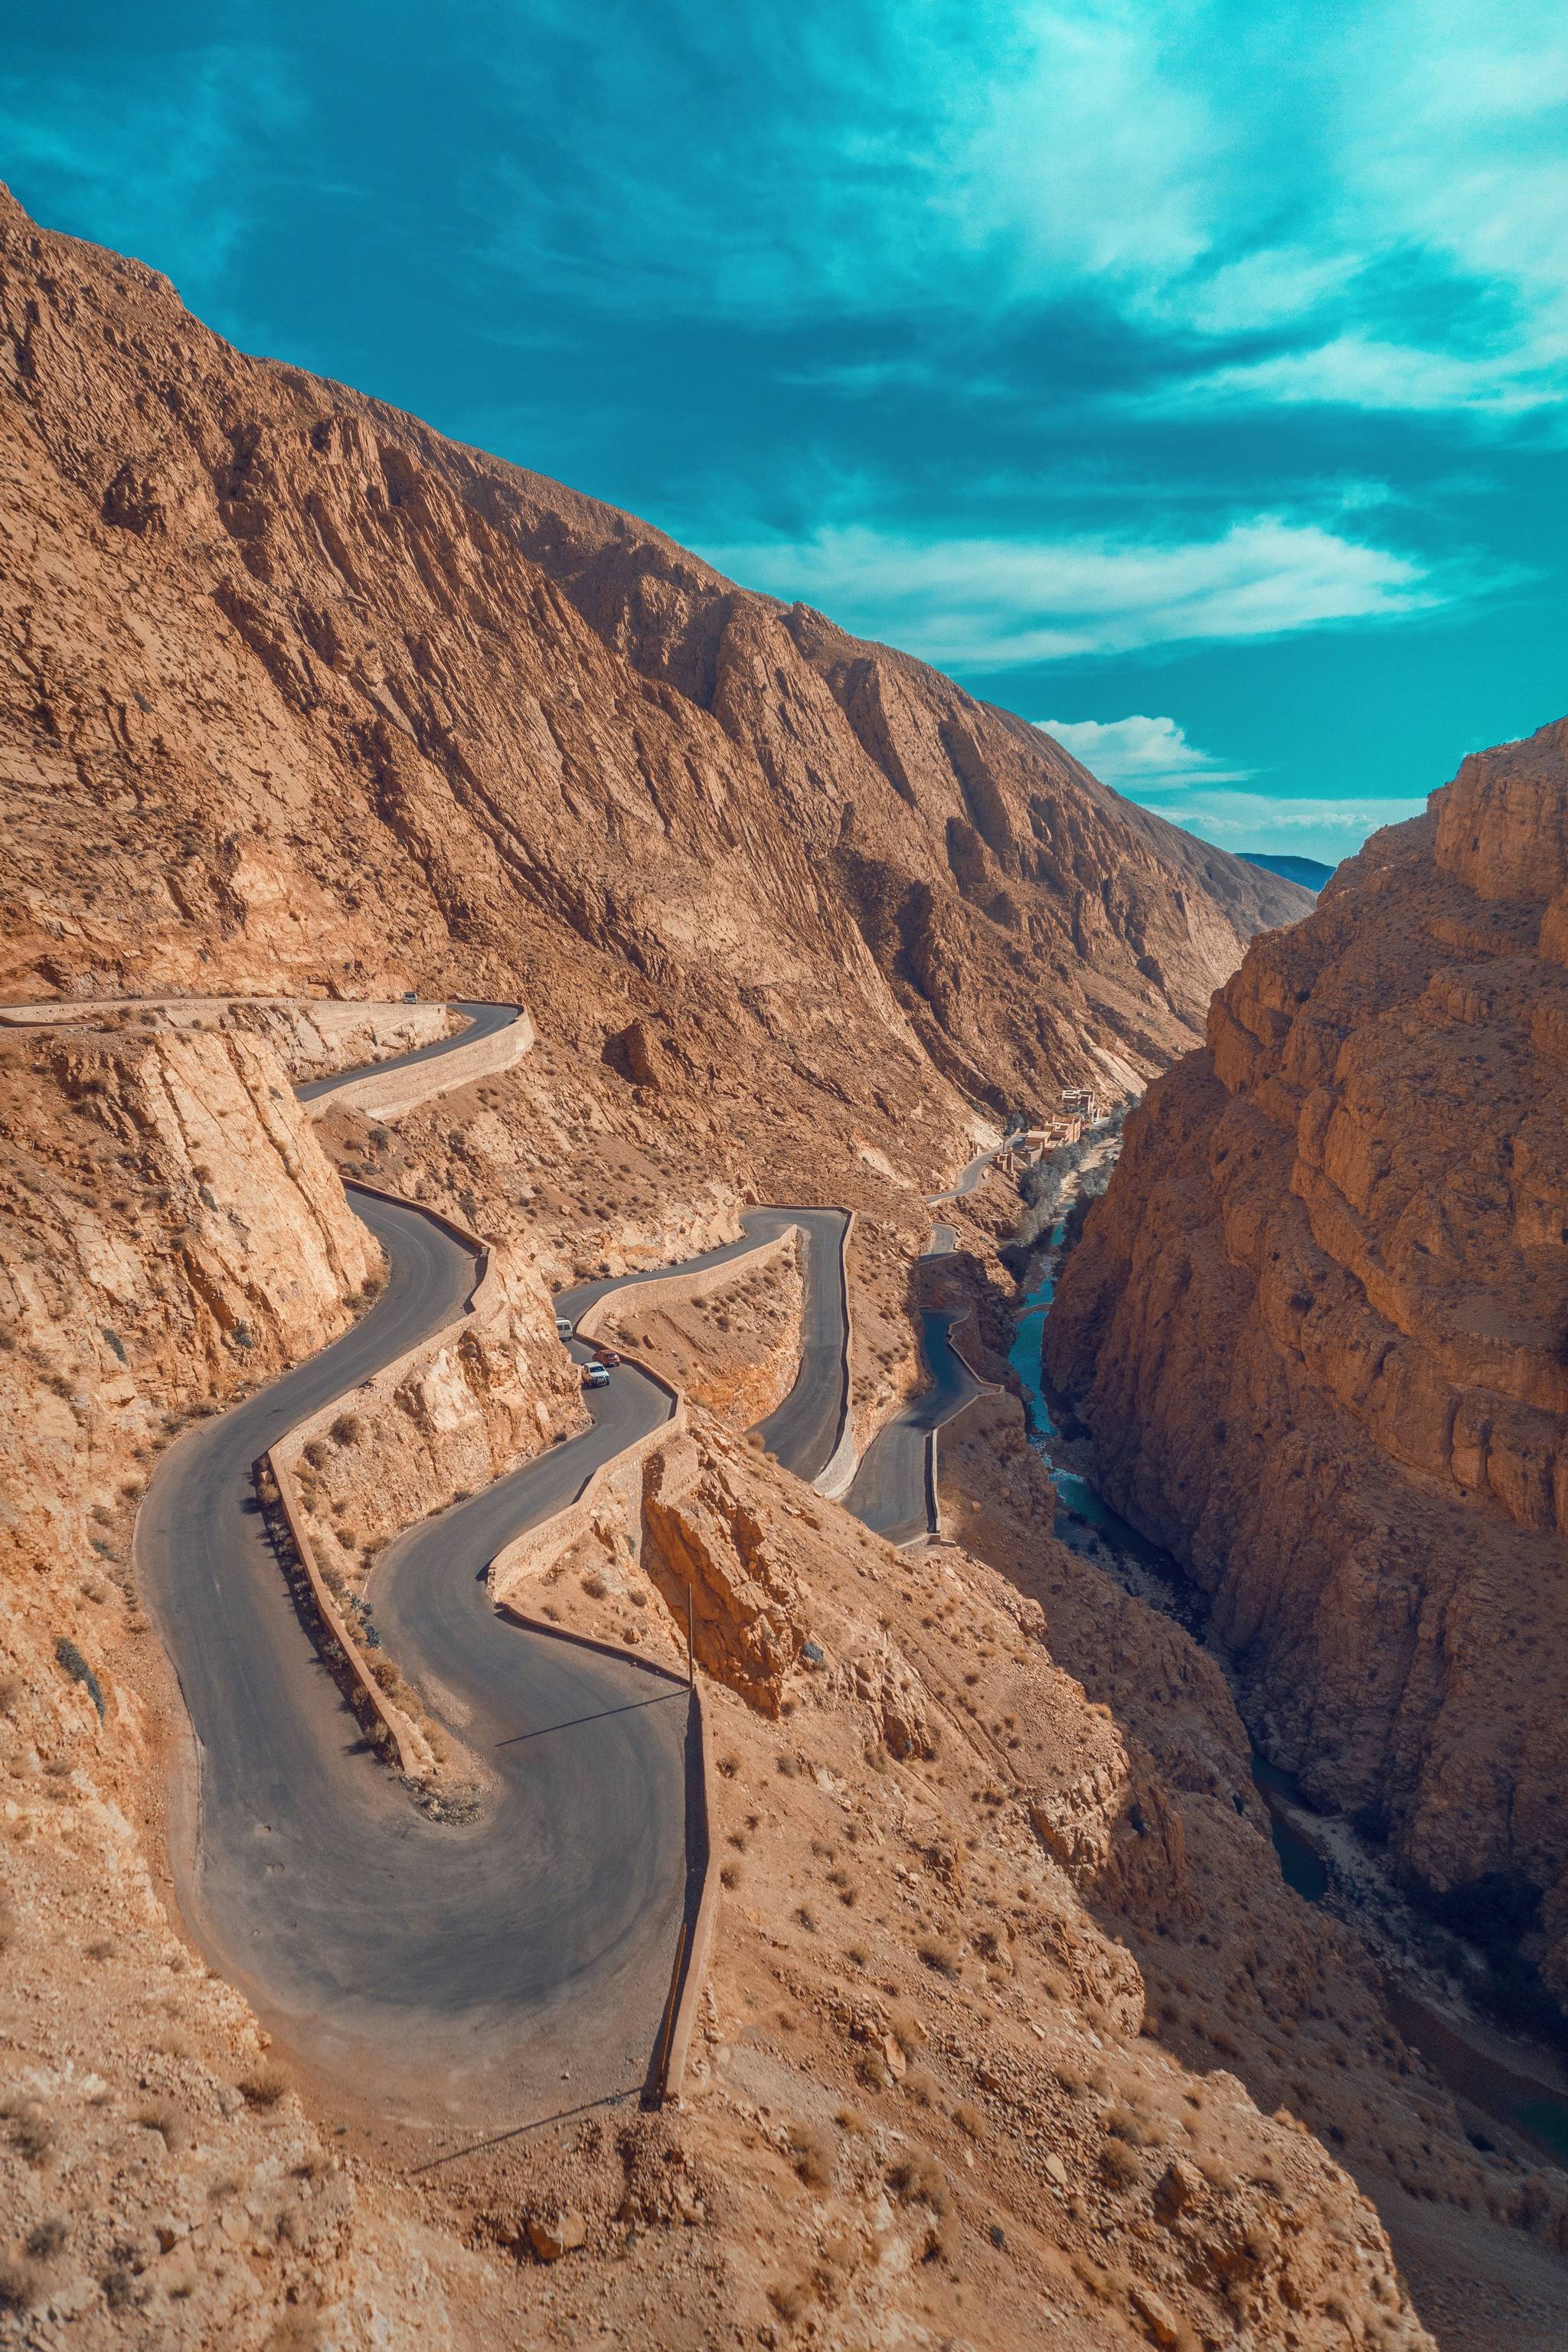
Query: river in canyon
pixel 1520 2085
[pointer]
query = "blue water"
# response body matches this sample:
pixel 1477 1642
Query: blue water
pixel 1075 1494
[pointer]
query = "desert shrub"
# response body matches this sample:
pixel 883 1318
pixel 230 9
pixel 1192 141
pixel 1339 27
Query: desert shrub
pixel 850 2119
pixel 917 2178
pixel 941 1953
pixel 20 2285
pixel 1120 2163
pixel 31 2130
pixel 264 2086
pixel 163 2119
pixel 791 2298
pixel 47 2238
pixel 731 1874
pixel 316 1453
pixel 813 2152
pixel 68 1655
pixel 904 2024
pixel 918 2086
pixel 593 1585
pixel 348 1428
pixel 970 2118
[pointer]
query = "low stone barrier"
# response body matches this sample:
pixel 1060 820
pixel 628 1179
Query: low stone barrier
pixel 414 1754
pixel 836 1475
pixel 679 1290
pixel 692 1963
pixel 538 1547
pixel 388 1093
pixel 933 1459
pixel 282 1459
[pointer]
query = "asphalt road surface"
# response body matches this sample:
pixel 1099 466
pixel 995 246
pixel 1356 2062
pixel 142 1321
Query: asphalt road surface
pixel 483 1020
pixel 517 1964
pixel 970 1180
pixel 803 1431
pixel 520 1962
pixel 891 1489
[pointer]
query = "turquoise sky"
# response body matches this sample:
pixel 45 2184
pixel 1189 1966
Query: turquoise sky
pixel 1188 376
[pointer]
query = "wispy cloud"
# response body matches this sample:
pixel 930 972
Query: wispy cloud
pixel 1330 828
pixel 994 604
pixel 1138 754
pixel 1348 192
pixel 174 171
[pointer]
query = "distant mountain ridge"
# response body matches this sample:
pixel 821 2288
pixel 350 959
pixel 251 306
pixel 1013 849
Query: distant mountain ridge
pixel 1310 872
pixel 323 701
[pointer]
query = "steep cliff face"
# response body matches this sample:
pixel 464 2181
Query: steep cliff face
pixel 1318 1330
pixel 322 702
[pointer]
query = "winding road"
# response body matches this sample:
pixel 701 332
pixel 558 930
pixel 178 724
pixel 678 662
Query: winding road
pixel 479 1021
pixel 517 1963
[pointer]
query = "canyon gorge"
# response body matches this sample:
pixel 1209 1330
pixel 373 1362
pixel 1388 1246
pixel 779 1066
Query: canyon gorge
pixel 324 735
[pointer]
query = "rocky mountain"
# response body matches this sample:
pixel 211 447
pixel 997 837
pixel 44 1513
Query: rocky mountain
pixel 1318 1330
pixel 1310 872
pixel 298 696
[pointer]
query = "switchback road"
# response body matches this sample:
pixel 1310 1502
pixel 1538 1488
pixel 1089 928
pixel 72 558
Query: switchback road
pixel 517 1963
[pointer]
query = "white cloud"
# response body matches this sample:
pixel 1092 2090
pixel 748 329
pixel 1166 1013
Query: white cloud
pixel 1327 828
pixel 1387 190
pixel 998 603
pixel 1358 371
pixel 1138 753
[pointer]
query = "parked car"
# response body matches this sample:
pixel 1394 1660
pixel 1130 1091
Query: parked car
pixel 562 1329
pixel 595 1375
pixel 607 1357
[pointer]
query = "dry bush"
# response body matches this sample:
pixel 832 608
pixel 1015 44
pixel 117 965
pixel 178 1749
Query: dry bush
pixel 904 2024
pixel 264 2086
pixel 348 1428
pixel 941 1953
pixel 918 2086
pixel 850 2119
pixel 919 2180
pixel 31 2131
pixel 593 1585
pixel 970 2118
pixel 47 2237
pixel 165 2120
pixel 731 1874
pixel 813 2152
pixel 20 2285
pixel 791 2298
pixel 1120 2163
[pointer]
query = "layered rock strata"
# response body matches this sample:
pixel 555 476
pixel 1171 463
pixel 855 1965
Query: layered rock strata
pixel 322 703
pixel 1317 1331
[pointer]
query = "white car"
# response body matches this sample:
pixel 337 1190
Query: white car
pixel 562 1329
pixel 595 1375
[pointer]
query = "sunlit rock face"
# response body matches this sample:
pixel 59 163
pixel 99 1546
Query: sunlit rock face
pixel 1317 1329
pixel 322 702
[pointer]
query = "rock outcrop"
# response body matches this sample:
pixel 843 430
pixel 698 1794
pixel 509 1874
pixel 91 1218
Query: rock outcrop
pixel 322 703
pixel 1318 1330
